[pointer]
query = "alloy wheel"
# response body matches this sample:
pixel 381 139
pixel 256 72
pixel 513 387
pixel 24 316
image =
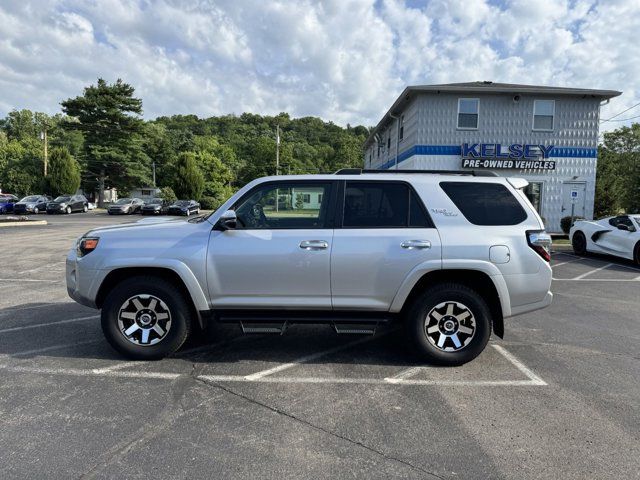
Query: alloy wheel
pixel 450 326
pixel 144 320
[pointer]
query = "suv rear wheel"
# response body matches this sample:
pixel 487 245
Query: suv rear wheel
pixel 145 318
pixel 450 324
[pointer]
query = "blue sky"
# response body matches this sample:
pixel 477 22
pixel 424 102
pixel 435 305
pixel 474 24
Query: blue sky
pixel 342 60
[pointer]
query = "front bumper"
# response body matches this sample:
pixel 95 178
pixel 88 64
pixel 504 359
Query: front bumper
pixel 81 282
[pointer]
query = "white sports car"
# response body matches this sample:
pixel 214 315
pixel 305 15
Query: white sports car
pixel 619 236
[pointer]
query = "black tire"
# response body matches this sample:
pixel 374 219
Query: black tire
pixel 439 298
pixel 579 243
pixel 177 307
pixel 636 254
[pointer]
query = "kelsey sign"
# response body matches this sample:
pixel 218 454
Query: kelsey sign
pixel 515 156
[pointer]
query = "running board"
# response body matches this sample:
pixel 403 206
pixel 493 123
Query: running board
pixel 263 327
pixel 367 328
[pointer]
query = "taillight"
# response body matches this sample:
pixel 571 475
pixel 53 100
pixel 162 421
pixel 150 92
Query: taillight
pixel 540 241
pixel 87 245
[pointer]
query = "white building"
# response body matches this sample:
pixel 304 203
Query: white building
pixel 548 135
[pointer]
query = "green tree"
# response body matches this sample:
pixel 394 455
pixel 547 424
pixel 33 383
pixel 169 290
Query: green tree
pixel 188 182
pixel 64 173
pixel 167 193
pixel 618 174
pixel 108 115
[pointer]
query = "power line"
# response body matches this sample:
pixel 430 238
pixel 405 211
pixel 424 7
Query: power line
pixel 617 114
pixel 625 119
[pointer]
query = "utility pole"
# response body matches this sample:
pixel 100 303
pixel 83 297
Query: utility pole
pixel 277 165
pixel 277 149
pixel 43 137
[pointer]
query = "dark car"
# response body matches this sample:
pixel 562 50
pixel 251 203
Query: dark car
pixel 32 204
pixel 184 207
pixel 7 201
pixel 68 204
pixel 125 206
pixel 156 206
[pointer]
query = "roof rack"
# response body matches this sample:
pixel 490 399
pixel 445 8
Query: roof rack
pixel 474 173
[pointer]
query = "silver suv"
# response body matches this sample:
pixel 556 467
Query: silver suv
pixel 448 255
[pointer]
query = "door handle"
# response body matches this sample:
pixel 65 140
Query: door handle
pixel 314 244
pixel 419 244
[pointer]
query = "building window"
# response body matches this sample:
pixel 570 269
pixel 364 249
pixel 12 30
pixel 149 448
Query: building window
pixel 468 112
pixel 401 127
pixel 543 112
pixel 533 191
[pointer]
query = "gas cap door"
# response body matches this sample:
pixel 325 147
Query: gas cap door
pixel 499 254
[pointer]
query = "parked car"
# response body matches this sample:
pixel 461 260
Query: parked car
pixel 448 257
pixel 184 207
pixel 156 206
pixel 32 204
pixel 7 201
pixel 618 236
pixel 125 206
pixel 68 204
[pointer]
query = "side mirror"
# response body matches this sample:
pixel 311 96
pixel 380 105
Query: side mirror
pixel 228 221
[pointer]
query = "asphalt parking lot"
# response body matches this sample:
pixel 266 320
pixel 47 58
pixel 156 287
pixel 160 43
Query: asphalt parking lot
pixel 558 398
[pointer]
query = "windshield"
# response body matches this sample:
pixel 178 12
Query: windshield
pixel 155 201
pixel 182 203
pixel 32 198
pixel 123 201
pixel 62 199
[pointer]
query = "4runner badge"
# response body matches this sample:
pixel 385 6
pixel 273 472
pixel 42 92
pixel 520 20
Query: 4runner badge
pixel 444 212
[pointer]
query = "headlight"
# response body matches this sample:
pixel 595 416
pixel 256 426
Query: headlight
pixel 87 245
pixel 63 205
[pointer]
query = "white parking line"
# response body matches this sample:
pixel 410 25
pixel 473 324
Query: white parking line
pixel 52 348
pixel 399 379
pixel 59 322
pixel 519 365
pixel 32 280
pixel 564 263
pixel 308 358
pixel 580 277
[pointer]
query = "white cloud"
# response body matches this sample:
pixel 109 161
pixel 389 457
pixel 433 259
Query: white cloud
pixel 343 60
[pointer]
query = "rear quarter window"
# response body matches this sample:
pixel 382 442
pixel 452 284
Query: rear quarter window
pixel 485 203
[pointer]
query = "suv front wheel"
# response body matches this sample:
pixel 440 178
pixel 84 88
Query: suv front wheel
pixel 450 324
pixel 145 318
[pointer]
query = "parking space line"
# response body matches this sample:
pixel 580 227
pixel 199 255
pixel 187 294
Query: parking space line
pixel 32 280
pixel 577 257
pixel 580 277
pixel 60 322
pixel 308 358
pixel 52 348
pixel 564 263
pixel 117 366
pixel 409 372
pixel 596 279
pixel 519 365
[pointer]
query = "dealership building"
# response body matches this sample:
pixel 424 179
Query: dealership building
pixel 547 135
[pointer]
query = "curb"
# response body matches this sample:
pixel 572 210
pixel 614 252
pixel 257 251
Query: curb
pixel 23 223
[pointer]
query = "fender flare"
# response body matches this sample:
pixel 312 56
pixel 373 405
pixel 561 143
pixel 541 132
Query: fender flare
pixel 488 268
pixel 189 280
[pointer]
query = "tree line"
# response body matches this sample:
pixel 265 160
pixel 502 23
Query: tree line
pixel 101 141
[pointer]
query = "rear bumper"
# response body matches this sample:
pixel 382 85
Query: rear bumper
pixel 530 307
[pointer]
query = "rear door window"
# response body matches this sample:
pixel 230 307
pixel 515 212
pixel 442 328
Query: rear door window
pixel 485 203
pixel 382 205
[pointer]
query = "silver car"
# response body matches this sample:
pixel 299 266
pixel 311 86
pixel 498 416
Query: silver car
pixel 448 256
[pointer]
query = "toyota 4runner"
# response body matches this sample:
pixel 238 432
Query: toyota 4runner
pixel 449 255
